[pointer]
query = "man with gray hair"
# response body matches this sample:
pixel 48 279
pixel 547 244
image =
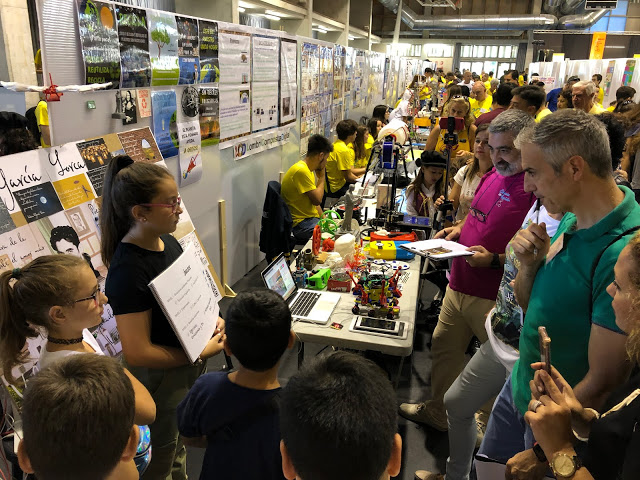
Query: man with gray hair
pixel 496 213
pixel 562 281
pixel 583 96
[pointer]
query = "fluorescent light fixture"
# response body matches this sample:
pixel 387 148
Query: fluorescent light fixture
pixel 272 17
pixel 351 37
pixel 241 9
pixel 614 46
pixel 246 5
pixel 274 13
pixel 320 29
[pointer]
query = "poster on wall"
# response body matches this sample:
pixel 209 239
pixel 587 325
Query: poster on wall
pixel 288 81
pixel 140 145
pixel 629 68
pixel 338 72
pixel 608 77
pixel 163 48
pixel 209 109
pixel 99 40
pixel 188 50
pixel 134 47
pixel 67 171
pixel 261 142
pixel 209 66
pixel 235 113
pixel 164 108
pixel 190 152
pixel 144 103
pixel 310 69
pixel 129 107
pixel 96 157
pixel 264 105
pixel 234 56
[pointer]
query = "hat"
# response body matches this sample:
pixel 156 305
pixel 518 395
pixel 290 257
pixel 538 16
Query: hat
pixel 431 159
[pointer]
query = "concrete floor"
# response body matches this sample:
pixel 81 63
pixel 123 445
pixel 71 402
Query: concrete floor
pixel 423 448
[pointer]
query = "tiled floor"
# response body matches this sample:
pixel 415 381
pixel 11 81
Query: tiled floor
pixel 422 448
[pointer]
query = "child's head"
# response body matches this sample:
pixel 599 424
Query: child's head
pixel 136 193
pixel 431 172
pixel 258 329
pixel 358 143
pixel 338 421
pixel 57 292
pixel 374 126
pixel 78 421
pixel 346 128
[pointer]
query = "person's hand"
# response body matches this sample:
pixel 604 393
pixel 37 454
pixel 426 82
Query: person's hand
pixel 439 201
pixel 214 346
pixel 219 326
pixel 622 173
pixel 449 233
pixel 481 258
pixel 525 466
pixel 320 171
pixel 531 245
pixel 562 394
pixel 550 424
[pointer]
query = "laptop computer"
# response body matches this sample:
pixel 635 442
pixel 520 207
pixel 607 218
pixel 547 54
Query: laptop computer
pixel 305 305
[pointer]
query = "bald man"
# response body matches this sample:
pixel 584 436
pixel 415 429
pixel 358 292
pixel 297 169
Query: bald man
pixel 481 101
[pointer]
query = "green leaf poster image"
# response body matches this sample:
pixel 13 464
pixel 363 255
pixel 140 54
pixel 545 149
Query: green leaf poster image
pixel 134 47
pixel 99 39
pixel 188 50
pixel 163 47
pixel 209 66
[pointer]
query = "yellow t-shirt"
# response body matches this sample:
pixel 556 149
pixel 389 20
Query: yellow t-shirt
pixel 463 143
pixel 368 145
pixel 42 117
pixel 478 108
pixel 425 93
pixel 596 109
pixel 520 80
pixel 543 113
pixel 600 95
pixel 296 182
pixel 342 158
pixel 611 108
pixel 487 85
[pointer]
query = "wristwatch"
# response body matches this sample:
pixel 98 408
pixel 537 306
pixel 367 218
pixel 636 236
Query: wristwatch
pixel 537 449
pixel 495 262
pixel 565 466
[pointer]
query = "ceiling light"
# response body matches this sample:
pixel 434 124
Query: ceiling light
pixel 272 17
pixel 245 5
pixel 351 37
pixel 274 13
pixel 321 29
pixel 241 9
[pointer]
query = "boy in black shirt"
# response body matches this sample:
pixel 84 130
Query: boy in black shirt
pixel 235 416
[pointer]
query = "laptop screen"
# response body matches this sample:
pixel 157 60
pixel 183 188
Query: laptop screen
pixel 277 277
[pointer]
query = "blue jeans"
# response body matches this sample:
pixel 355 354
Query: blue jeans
pixel 507 433
pixel 304 230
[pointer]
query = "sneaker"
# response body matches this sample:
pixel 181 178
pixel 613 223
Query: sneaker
pixel 424 475
pixel 424 413
pixel 481 428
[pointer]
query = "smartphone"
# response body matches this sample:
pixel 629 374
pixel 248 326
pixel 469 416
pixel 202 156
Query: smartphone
pixel 545 348
pixel 379 326
pixel 451 124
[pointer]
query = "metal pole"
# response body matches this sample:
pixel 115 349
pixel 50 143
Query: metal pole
pixel 396 31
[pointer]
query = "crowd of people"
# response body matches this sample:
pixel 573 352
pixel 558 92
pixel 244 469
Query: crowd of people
pixel 544 194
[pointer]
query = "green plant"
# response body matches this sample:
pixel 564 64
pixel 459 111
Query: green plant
pixel 161 37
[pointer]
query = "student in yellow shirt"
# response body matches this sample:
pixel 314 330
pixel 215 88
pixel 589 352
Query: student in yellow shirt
pixel 597 78
pixel 486 81
pixel 359 147
pixel 42 117
pixel 340 172
pixel 481 101
pixel 303 191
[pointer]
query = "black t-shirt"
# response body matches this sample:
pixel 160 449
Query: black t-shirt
pixel 614 441
pixel 131 270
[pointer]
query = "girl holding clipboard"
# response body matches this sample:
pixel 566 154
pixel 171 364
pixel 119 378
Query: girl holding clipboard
pixel 140 208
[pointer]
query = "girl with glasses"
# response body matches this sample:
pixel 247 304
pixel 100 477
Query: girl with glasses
pixel 59 296
pixel 140 209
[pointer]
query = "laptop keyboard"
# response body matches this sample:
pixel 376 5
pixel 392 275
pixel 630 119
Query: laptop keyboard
pixel 304 303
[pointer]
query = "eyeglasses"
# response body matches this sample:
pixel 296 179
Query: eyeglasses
pixel 479 215
pixel 455 97
pixel 93 297
pixel 173 206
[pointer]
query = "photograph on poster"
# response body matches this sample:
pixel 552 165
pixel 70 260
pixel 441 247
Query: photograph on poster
pixel 163 105
pixel 163 48
pixel 99 40
pixel 209 107
pixel 133 34
pixel 209 66
pixel 264 106
pixel 96 157
pixel 129 107
pixel 189 102
pixel 188 50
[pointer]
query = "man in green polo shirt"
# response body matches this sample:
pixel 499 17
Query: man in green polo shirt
pixel 567 161
pixel 302 191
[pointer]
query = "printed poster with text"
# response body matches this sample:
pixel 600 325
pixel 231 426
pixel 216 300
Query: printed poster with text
pixel 629 68
pixel 163 47
pixel 96 157
pixel 264 104
pixel 235 113
pixel 209 66
pixel 189 140
pixel 235 57
pixel 140 145
pixel 188 51
pixel 165 130
pixel 99 40
pixel 134 47
pixel 209 106
pixel 288 81
pixel 144 103
pixel 67 170
pixel 310 74
pixel 608 78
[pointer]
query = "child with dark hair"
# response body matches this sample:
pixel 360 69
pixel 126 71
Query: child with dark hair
pixel 140 210
pixel 64 239
pixel 338 421
pixel 426 193
pixel 340 172
pixel 78 422
pixel 235 415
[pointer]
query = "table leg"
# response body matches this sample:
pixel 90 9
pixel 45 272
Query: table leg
pixel 396 381
pixel 301 354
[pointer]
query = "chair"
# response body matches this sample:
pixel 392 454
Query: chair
pixel 277 224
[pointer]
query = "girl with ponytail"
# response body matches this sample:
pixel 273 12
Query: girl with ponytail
pixel 140 209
